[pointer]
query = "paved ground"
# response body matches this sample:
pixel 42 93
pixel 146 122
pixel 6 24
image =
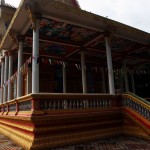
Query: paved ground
pixel 118 143
pixel 6 144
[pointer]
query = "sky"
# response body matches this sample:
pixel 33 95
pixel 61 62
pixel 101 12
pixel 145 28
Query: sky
pixel 135 13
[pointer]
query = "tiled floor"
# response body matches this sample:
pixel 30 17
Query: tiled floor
pixel 6 144
pixel 118 143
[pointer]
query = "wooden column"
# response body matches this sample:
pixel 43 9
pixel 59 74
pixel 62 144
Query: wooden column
pixel 19 74
pixel 5 77
pixel 110 66
pixel 84 84
pixel 10 73
pixel 35 56
pixel 2 78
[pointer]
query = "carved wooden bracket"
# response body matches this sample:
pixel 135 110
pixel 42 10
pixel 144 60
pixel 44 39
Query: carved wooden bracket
pixel 13 35
pixel 33 16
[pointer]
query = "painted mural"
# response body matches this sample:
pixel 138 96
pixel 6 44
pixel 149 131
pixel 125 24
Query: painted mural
pixel 65 32
pixel 51 48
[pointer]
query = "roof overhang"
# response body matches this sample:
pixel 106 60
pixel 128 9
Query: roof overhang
pixel 56 10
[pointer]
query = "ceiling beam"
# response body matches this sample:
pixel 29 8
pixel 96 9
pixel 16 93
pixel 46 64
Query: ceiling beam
pixel 55 42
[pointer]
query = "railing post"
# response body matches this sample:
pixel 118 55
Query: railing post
pixel 17 108
pixel 7 109
pixel 35 107
pixel 2 109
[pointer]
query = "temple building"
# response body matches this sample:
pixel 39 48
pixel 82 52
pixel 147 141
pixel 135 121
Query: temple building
pixel 70 76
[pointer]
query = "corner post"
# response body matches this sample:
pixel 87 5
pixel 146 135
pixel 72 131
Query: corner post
pixel 35 56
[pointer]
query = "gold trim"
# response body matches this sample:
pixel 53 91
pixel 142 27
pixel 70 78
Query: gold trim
pixel 136 121
pixel 32 16
pixel 137 100
pixel 17 124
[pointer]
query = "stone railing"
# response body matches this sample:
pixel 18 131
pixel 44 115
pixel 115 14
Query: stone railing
pixel 76 101
pixel 139 105
pixel 44 102
pixel 49 102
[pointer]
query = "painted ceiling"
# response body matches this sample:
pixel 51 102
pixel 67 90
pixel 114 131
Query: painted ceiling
pixel 61 39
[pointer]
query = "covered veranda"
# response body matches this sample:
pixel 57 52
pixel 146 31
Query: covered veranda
pixel 69 62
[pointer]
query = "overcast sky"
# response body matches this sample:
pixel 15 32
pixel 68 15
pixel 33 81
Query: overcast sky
pixel 135 13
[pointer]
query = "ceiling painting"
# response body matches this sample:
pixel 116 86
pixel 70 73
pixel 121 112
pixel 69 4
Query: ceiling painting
pixel 50 48
pixel 68 33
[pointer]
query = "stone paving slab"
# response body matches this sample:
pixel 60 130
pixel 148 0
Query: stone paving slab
pixel 116 143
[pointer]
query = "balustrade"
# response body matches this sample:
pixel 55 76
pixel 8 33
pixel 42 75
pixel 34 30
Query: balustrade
pixel 71 103
pixel 134 105
pixel 12 107
pixel 25 106
pixel 5 108
pixel 51 102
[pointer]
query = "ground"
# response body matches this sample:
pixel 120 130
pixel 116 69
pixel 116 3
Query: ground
pixel 116 143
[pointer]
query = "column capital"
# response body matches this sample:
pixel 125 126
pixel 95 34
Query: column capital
pixel 34 16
